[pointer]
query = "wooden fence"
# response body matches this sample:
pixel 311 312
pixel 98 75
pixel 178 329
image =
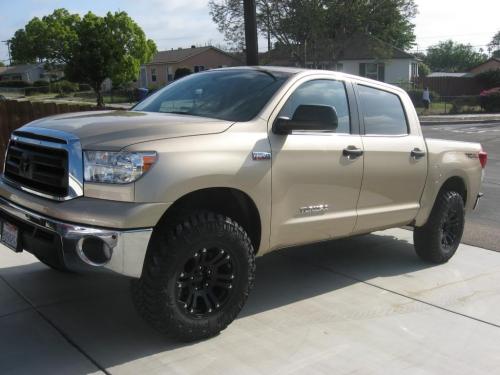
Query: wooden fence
pixel 14 114
pixel 450 86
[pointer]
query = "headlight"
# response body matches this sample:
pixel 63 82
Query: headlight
pixel 116 167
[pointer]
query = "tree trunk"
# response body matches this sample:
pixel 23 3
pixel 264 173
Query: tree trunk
pixel 98 93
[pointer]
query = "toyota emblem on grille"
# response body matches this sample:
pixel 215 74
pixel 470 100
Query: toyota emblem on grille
pixel 25 166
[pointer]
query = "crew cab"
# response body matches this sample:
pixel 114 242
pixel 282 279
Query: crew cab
pixel 183 191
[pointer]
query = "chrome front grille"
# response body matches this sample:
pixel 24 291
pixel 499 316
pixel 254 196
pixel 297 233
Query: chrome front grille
pixel 45 162
pixel 37 167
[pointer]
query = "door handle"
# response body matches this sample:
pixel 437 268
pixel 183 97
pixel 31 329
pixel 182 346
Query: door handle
pixel 417 153
pixel 352 152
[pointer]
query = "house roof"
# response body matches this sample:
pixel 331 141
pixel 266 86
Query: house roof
pixel 367 47
pixel 494 59
pixel 19 69
pixel 358 47
pixel 445 74
pixel 177 55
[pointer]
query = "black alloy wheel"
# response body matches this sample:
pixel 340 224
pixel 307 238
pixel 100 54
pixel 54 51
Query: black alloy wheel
pixel 205 283
pixel 196 277
pixel 438 239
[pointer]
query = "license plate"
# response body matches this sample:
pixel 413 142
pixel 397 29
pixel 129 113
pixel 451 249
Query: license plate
pixel 10 236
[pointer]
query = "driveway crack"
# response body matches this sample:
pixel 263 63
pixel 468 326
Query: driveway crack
pixel 63 334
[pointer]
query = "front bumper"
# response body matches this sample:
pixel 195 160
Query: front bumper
pixel 78 247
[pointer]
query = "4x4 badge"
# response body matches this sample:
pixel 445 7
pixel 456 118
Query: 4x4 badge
pixel 260 155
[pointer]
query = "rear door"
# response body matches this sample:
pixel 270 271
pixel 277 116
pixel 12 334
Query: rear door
pixel 315 184
pixel 395 161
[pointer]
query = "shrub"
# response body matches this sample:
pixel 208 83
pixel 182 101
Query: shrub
pixel 181 72
pixel 29 91
pixel 16 84
pixel 40 83
pixel 84 87
pixel 490 100
pixel 489 79
pixel 63 86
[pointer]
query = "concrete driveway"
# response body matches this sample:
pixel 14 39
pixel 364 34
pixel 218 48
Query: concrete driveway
pixel 361 305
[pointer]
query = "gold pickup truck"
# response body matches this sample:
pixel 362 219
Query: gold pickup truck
pixel 184 190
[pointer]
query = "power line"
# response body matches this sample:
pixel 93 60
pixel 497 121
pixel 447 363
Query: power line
pixel 457 35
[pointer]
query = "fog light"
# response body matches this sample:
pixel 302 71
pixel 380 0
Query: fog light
pixel 94 251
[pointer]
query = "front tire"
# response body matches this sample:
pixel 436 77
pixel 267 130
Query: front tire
pixel 438 240
pixel 196 277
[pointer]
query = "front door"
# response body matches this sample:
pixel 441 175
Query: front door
pixel 315 183
pixel 395 162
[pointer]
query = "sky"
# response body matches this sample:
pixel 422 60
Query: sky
pixel 181 23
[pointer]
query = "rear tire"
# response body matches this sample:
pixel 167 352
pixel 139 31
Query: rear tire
pixel 438 240
pixel 196 277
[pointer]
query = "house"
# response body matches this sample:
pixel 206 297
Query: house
pixel 26 72
pixel 459 84
pixel 161 70
pixel 362 55
pixel 490 64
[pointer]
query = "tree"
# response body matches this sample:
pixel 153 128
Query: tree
pixel 449 56
pixel 494 45
pixel 423 70
pixel 50 39
pixel 91 48
pixel 326 23
pixel 2 64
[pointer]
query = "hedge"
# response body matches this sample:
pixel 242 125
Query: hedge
pixel 490 100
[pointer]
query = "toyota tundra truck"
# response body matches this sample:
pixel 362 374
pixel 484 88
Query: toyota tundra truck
pixel 184 190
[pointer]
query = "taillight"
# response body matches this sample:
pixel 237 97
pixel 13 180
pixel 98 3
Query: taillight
pixel 483 158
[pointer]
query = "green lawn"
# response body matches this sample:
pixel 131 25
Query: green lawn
pixel 442 108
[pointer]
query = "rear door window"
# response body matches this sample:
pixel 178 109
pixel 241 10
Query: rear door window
pixel 382 112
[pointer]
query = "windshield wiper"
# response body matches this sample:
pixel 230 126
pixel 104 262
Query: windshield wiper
pixel 179 112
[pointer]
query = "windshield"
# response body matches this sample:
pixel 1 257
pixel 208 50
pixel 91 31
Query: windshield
pixel 233 94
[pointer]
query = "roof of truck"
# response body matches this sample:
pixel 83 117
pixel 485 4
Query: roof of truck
pixel 295 70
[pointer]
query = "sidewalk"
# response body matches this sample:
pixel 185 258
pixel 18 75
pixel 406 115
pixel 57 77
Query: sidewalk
pixel 459 119
pixel 363 305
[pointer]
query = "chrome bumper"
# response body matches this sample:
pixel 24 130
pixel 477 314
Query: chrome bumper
pixel 123 251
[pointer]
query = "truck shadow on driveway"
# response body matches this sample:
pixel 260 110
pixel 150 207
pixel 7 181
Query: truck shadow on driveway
pixel 96 313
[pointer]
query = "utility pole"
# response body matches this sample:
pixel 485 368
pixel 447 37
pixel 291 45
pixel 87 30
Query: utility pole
pixel 8 49
pixel 251 45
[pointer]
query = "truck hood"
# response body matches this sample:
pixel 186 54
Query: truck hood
pixel 114 130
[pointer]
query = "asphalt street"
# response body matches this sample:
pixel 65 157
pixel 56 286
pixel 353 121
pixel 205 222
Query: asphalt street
pixel 482 225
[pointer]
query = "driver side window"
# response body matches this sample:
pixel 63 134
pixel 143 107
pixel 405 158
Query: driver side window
pixel 324 92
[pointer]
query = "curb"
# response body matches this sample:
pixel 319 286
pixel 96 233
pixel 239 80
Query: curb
pixel 459 122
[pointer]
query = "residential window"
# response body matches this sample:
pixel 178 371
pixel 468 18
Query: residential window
pixel 339 67
pixel 170 77
pixel 383 112
pixel 321 92
pixel 153 74
pixel 414 70
pixel 199 68
pixel 372 70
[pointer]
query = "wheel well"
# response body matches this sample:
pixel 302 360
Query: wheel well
pixel 456 184
pixel 226 201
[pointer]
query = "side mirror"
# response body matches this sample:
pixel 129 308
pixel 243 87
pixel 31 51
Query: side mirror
pixel 308 118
